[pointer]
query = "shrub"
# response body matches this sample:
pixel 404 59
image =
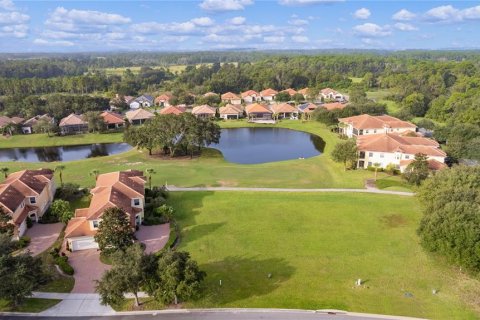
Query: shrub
pixel 165 211
pixel 69 191
pixel 29 222
pixel 372 168
pixel 48 217
pixel 23 242
pixel 62 262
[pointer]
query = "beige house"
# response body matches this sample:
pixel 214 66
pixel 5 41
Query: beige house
pixel 163 100
pixel 366 124
pixel 330 94
pixel 231 112
pixel 204 111
pixel 250 96
pixel 138 116
pixel 27 194
pixel 121 189
pixel 231 98
pixel 258 111
pixel 268 94
pixel 391 148
pixel 73 124
pixel 284 111
pixel 176 110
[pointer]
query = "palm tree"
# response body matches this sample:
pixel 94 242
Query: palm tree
pixel 59 169
pixel 95 172
pixel 4 170
pixel 150 171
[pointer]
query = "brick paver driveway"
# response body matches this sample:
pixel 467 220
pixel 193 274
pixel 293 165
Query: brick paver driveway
pixel 43 236
pixel 154 237
pixel 88 268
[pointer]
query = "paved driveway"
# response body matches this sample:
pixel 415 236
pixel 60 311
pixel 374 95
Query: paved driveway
pixel 88 268
pixel 43 236
pixel 154 237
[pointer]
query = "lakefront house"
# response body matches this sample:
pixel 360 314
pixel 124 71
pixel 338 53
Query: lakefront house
pixel 366 124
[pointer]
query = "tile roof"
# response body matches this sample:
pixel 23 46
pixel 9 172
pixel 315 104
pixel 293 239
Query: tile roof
pixel 303 91
pixel 229 96
pixel 290 91
pixel 283 108
pixel 230 109
pixel 204 109
pixel 72 120
pixel 208 94
pixel 307 107
pixel 366 121
pixel 257 108
pixel 17 120
pixel 21 184
pixel 334 105
pixel 268 92
pixel 432 164
pixel 112 117
pixel 327 91
pixel 163 97
pixel 138 114
pixel 390 142
pixel 173 110
pixel 249 93
pixel 32 121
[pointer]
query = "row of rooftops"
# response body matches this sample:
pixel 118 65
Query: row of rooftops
pixel 4 121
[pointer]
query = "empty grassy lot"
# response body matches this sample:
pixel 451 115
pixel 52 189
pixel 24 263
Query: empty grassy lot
pixel 210 169
pixel 315 246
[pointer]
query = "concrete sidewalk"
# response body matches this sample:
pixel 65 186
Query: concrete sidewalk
pixel 376 191
pixel 74 304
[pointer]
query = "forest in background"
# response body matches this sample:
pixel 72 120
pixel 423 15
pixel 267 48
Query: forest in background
pixel 439 90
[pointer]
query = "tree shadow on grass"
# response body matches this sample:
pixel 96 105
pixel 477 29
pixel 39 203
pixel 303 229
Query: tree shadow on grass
pixel 198 231
pixel 243 278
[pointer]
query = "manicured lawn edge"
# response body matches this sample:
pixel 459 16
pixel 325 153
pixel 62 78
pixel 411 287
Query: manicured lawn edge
pixel 34 305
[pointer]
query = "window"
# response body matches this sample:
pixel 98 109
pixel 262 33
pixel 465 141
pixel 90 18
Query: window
pixel 407 156
pixel 33 200
pixel 381 155
pixel 370 154
pixel 369 164
pixel 375 131
pixel 366 131
pixel 95 224
pixel 136 202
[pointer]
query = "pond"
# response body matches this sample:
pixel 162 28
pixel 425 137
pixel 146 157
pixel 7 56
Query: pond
pixel 260 145
pixel 66 153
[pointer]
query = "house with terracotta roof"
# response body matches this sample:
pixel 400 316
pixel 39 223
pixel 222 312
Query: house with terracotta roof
pixel 113 120
pixel 268 94
pixel 392 148
pixel 231 98
pixel 284 111
pixel 258 111
pixel 330 94
pixel 290 91
pixel 176 110
pixel 366 124
pixel 121 189
pixel 27 126
pixel 230 112
pixel 209 94
pixel 13 121
pixel 334 106
pixel 303 92
pixel 26 194
pixel 139 116
pixel 250 96
pixel 73 124
pixel 307 109
pixel 163 100
pixel 204 111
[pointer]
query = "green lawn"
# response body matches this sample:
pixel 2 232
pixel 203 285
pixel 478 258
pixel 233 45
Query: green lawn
pixel 356 79
pixel 211 169
pixel 316 246
pixel 393 183
pixel 30 305
pixel 43 140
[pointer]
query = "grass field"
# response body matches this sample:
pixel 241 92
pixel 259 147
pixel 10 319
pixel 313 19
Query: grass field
pixel 356 79
pixel 30 305
pixel 316 246
pixel 42 140
pixel 210 169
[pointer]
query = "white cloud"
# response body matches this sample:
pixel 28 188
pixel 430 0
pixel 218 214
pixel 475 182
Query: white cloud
pixel 237 21
pixel 362 13
pixel 306 2
pixel 43 42
pixel 13 18
pixel 203 21
pixel 300 39
pixel 449 14
pixel 16 31
pixel 298 22
pixel 405 26
pixel 171 28
pixel 64 19
pixel 274 39
pixel 7 5
pixel 404 15
pixel 225 5
pixel 371 30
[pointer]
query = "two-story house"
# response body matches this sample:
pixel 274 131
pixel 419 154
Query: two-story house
pixel 391 148
pixel 121 189
pixel 366 124
pixel 27 194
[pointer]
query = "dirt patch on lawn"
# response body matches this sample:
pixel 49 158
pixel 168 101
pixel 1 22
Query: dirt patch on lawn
pixel 394 220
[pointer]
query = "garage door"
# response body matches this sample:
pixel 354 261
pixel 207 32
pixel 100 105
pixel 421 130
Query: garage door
pixel 83 244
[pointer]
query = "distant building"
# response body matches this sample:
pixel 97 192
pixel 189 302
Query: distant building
pixel 251 96
pixel 204 111
pixel 113 120
pixel 73 124
pixel 366 124
pixel 231 98
pixel 27 126
pixel 284 111
pixel 231 112
pixel 330 94
pixel 334 106
pixel 290 91
pixel 176 110
pixel 139 116
pixel 163 100
pixel 144 101
pixel 258 111
pixel 268 94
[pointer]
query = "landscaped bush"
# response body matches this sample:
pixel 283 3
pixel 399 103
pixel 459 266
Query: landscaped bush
pixel 23 242
pixel 69 192
pixel 62 262
pixel 48 217
pixel 372 168
pixel 29 222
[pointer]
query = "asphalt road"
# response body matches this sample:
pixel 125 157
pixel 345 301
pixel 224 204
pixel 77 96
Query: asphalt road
pixel 221 315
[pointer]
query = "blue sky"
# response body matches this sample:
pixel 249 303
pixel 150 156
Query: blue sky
pixel 70 26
